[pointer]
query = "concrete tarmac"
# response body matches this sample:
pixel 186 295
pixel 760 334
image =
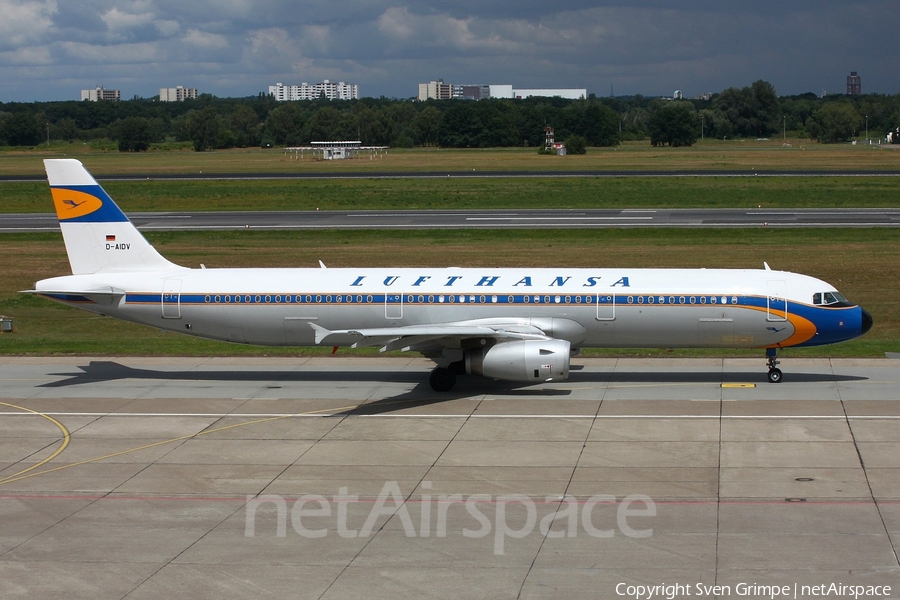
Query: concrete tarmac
pixel 337 477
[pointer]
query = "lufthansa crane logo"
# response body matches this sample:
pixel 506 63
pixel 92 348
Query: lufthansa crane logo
pixel 71 204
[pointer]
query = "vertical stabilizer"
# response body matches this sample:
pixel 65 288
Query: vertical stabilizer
pixel 98 235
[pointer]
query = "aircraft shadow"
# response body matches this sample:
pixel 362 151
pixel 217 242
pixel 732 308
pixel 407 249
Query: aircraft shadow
pixel 421 393
pixel 707 377
pixel 465 388
pixel 105 371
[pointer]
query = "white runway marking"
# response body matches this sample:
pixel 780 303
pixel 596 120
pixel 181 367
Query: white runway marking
pixel 459 416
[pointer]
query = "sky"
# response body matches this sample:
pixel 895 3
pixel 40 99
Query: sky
pixel 52 49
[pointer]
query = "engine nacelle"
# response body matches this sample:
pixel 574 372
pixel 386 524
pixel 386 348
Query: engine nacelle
pixel 525 360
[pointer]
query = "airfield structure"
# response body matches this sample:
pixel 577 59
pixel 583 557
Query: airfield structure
pixel 551 146
pixel 336 150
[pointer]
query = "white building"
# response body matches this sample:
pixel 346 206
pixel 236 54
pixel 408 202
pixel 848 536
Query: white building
pixel 571 94
pixel 501 91
pixel 177 94
pixel 435 90
pixel 438 90
pixel 98 93
pixel 305 91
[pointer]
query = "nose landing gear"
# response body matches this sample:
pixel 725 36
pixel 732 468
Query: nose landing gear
pixel 775 374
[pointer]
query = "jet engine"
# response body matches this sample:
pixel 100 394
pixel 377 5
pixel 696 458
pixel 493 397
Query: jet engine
pixel 525 360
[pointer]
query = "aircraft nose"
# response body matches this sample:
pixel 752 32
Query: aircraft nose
pixel 867 321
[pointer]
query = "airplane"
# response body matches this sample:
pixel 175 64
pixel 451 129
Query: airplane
pixel 513 324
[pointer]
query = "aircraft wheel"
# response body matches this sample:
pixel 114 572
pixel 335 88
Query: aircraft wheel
pixel 775 376
pixel 442 379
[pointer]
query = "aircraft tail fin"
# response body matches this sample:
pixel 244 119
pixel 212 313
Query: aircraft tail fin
pixel 98 235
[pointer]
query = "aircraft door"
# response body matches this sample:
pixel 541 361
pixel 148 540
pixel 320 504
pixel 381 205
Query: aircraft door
pixel 171 299
pixel 393 305
pixel 776 302
pixel 606 307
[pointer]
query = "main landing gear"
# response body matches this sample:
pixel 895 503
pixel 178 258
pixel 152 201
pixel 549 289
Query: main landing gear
pixel 442 379
pixel 775 374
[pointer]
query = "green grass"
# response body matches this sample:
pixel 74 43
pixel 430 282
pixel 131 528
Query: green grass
pixel 500 193
pixel 737 155
pixel 863 263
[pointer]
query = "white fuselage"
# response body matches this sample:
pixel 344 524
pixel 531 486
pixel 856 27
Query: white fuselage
pixel 512 324
pixel 613 307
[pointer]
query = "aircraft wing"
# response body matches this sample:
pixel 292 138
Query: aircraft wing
pixel 425 337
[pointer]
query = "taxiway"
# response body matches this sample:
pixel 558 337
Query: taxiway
pixel 337 477
pixel 483 219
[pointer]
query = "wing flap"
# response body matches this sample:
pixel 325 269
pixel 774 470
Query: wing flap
pixel 418 336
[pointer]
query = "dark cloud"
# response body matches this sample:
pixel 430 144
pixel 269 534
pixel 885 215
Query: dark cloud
pixel 51 49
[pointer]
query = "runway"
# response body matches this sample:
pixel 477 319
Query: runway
pixel 483 219
pixel 485 174
pixel 343 477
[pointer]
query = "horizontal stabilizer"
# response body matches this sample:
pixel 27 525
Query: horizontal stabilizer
pixel 104 297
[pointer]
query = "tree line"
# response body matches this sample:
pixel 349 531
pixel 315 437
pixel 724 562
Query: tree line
pixel 208 122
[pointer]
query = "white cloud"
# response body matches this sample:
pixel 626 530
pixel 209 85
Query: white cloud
pixel 80 52
pixel 118 20
pixel 271 50
pixel 167 28
pixel 403 28
pixel 205 40
pixel 27 56
pixel 387 46
pixel 25 21
pixel 317 37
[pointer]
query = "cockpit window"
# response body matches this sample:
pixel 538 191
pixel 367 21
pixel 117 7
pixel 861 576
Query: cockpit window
pixel 830 299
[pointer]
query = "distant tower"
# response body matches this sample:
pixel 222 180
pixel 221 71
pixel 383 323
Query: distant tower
pixel 549 140
pixel 854 84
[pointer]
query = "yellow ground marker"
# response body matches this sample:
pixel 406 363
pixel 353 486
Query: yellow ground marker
pixel 65 442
